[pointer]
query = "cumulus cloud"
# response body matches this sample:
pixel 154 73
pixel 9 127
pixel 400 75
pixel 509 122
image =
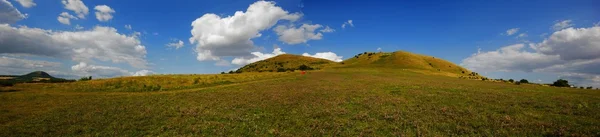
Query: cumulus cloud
pixel 9 62
pixel 218 37
pixel 128 27
pixel 302 34
pixel 104 13
pixel 326 55
pixel 349 22
pixel 78 27
pixel 100 43
pixel 327 30
pixel 9 14
pixel 257 56
pixel 143 73
pixel 572 53
pixel 562 25
pixel 26 3
pixel 522 35
pixel 99 71
pixel 65 18
pixel 512 31
pixel 76 6
pixel 176 45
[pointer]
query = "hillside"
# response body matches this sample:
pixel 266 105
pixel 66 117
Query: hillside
pixel 410 61
pixel 286 63
pixel 36 76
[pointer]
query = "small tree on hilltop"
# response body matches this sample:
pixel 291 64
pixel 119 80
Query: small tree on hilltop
pixel 523 81
pixel 561 83
pixel 511 80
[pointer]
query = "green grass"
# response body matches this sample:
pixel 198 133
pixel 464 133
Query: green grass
pixel 334 102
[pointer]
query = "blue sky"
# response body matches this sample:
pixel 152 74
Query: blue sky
pixel 471 33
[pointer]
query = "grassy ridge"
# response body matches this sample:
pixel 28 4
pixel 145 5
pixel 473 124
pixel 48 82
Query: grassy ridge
pixel 285 63
pixel 341 102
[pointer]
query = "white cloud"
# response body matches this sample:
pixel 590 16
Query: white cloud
pixel 9 14
pixel 326 55
pixel 128 27
pixel 26 3
pixel 257 56
pixel 76 6
pixel 99 71
pixel 65 18
pixel 562 25
pixel 572 53
pixel 597 24
pixel 218 37
pixel 512 31
pixel 176 45
pixel 522 35
pixel 349 22
pixel 378 49
pixel 104 13
pixel 143 73
pixel 9 62
pixel 327 30
pixel 77 27
pixel 100 43
pixel 302 34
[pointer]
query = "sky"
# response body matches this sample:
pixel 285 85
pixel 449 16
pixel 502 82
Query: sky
pixel 538 40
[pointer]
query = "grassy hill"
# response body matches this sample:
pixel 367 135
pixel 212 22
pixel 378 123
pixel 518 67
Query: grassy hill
pixel 285 63
pixel 36 76
pixel 410 61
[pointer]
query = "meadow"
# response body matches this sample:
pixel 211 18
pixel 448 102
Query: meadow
pixel 331 102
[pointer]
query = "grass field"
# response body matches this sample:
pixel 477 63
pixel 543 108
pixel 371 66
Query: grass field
pixel 333 102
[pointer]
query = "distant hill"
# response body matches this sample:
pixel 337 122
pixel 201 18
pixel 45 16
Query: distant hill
pixel 37 76
pixel 286 62
pixel 411 61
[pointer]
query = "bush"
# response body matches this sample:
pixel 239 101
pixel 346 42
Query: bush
pixel 5 83
pixel 280 70
pixel 511 80
pixel 304 67
pixel 561 83
pixel 590 87
pixel 523 81
pixel 85 78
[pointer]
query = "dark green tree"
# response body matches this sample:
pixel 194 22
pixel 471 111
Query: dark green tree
pixel 523 81
pixel 561 83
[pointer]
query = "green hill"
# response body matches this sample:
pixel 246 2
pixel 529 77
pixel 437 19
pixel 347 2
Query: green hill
pixel 36 76
pixel 410 61
pixel 285 63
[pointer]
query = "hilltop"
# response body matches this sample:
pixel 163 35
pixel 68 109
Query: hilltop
pixel 387 60
pixel 36 76
pixel 286 63
pixel 410 61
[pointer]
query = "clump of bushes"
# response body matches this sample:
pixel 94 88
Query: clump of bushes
pixel 561 83
pixel 85 78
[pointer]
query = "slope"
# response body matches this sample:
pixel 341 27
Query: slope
pixel 286 62
pixel 410 61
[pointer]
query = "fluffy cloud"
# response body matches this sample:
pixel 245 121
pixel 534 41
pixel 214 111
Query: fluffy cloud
pixel 65 18
pixel 26 3
pixel 257 56
pixel 302 34
pixel 572 53
pixel 99 71
pixel 573 43
pixel 76 6
pixel 101 43
pixel 326 55
pixel 218 37
pixel 9 14
pixel 349 22
pixel 522 35
pixel 104 13
pixel 562 24
pixel 9 62
pixel 327 30
pixel 176 45
pixel 143 73
pixel 512 31
pixel 128 27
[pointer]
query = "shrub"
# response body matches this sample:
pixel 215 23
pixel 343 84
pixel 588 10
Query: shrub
pixel 523 81
pixel 6 83
pixel 561 83
pixel 590 87
pixel 511 80
pixel 280 70
pixel 304 67
pixel 222 72
pixel 85 78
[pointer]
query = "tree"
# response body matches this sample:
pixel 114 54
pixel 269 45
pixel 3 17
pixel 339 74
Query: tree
pixel 590 87
pixel 561 83
pixel 85 78
pixel 222 72
pixel 511 80
pixel 523 81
